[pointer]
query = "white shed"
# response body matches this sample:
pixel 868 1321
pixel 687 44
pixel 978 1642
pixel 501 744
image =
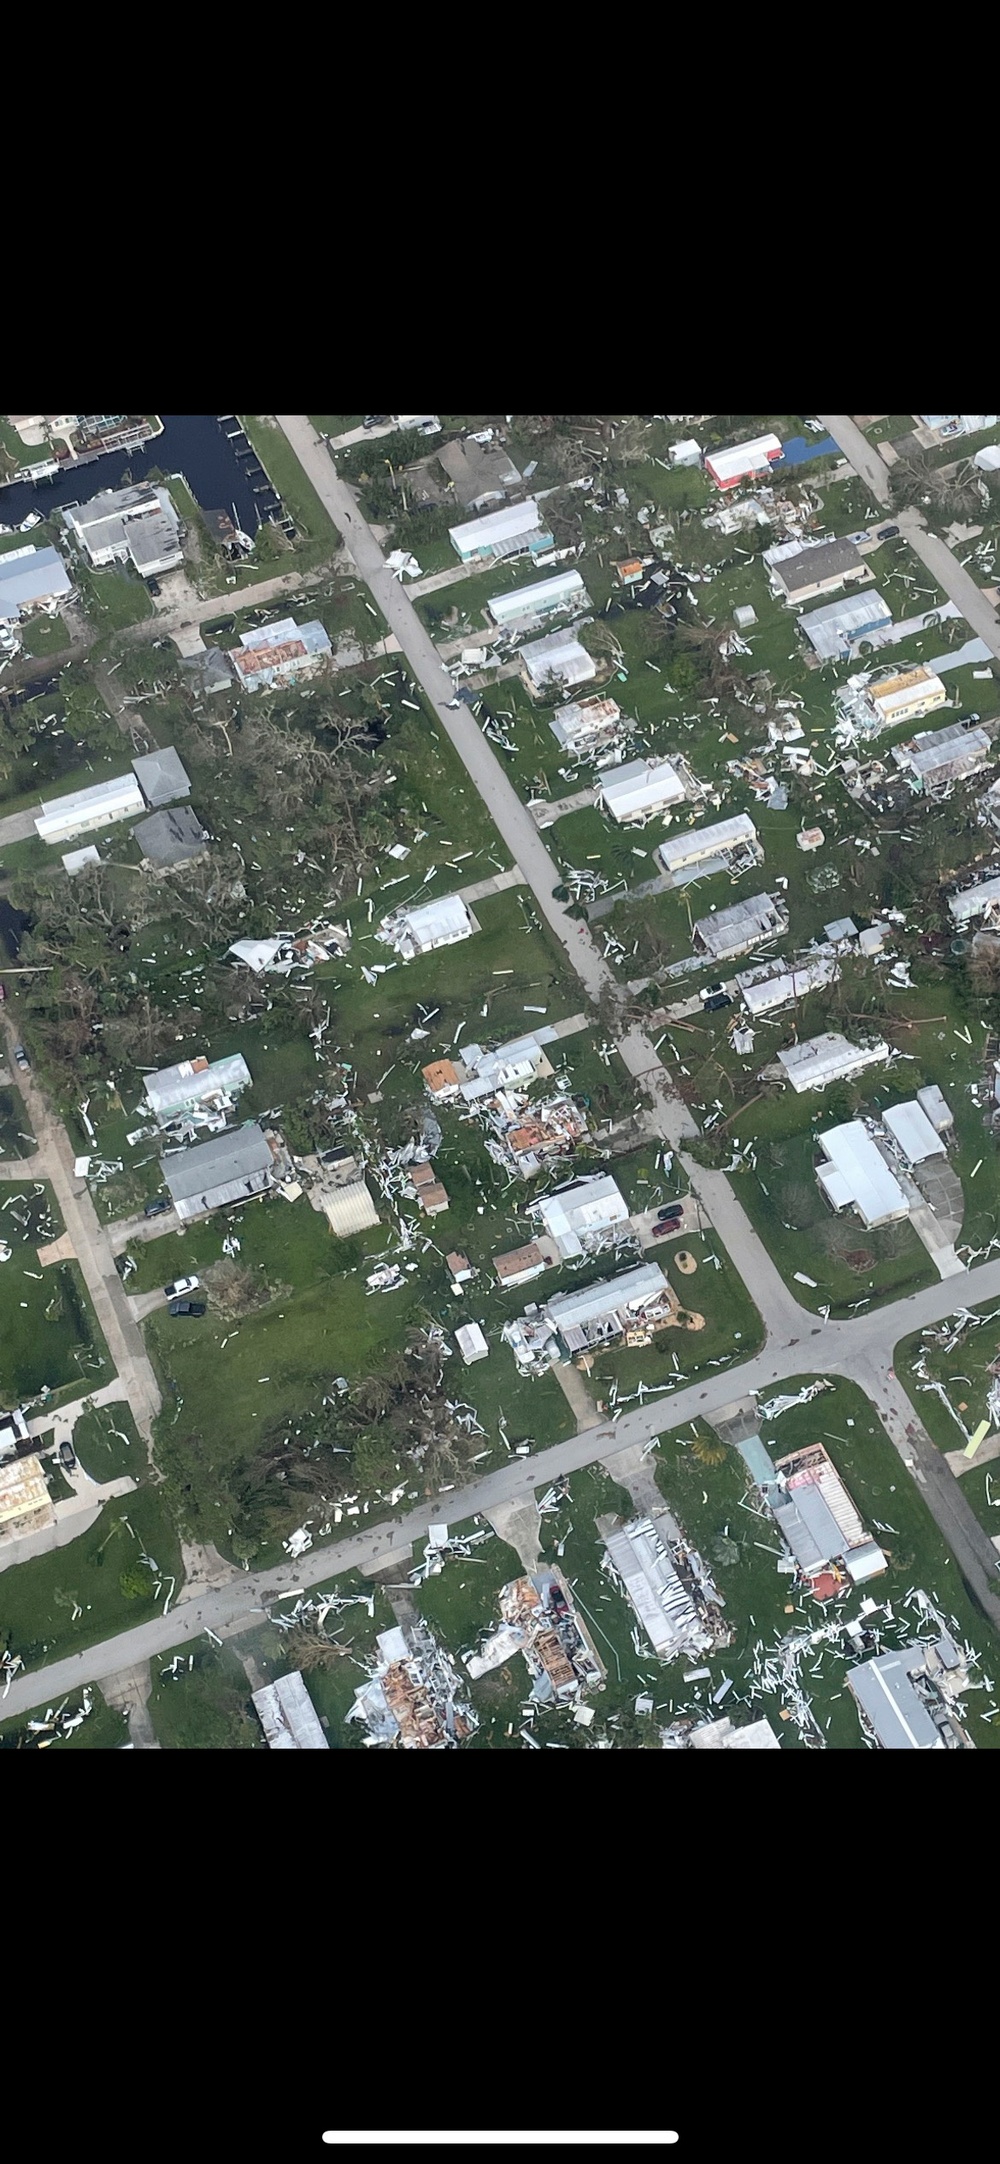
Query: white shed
pixel 471 1343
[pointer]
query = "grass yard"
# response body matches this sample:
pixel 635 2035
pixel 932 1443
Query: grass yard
pixel 707 1500
pixel 48 1332
pixel 45 635
pixel 104 1729
pixel 207 1707
pixel 963 1373
pixel 332 1686
pixel 108 1444
pixel 113 598
pixel 16 1138
pixel 75 1596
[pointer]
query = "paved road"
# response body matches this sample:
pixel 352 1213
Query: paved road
pixel 671 1119
pixel 860 1349
pixel 940 560
pixel 53 1160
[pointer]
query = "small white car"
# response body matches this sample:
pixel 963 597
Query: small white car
pixel 183 1285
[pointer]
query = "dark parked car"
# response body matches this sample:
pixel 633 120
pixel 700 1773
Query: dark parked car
pixel 375 420
pixel 67 1454
pixel 674 1210
pixel 187 1307
pixel 715 1000
pixel 21 1056
pixel 153 587
pixel 887 533
pixel 157 1206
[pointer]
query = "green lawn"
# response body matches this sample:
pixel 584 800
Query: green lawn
pixel 206 1707
pixel 108 1444
pixel 104 1729
pixel 44 635
pixel 48 1334
pixel 963 1372
pixel 39 1599
pixel 113 598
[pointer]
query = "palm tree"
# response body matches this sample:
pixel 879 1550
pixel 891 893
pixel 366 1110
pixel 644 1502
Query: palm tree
pixel 708 1449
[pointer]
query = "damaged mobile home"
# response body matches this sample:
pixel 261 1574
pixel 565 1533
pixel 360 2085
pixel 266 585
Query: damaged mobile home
pixel 413 1698
pixel 541 1623
pixel 669 1589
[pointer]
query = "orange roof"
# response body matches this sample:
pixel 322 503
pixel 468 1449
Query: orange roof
pixel 629 565
pixel 249 660
pixel 825 1586
pixel 440 1075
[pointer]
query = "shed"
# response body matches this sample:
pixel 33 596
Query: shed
pixel 471 1343
pixel 171 837
pixel 161 777
pixel 936 1106
pixel 519 1264
pixel 687 453
pixel 911 1129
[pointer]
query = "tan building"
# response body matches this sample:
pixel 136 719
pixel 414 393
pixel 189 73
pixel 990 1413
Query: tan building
pixel 906 696
pixel 25 1503
pixel 519 1264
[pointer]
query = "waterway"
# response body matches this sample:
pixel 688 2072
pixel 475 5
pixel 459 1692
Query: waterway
pixel 192 444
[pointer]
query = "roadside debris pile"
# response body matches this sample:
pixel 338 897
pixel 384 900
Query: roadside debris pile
pixel 413 1698
pixel 540 1622
pixel 444 1547
pixel 55 1724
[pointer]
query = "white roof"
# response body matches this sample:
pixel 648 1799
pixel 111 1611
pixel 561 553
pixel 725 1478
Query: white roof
pixel 661 1602
pixel 760 994
pixel 722 1736
pixel 288 1717
pixel 973 900
pixel 436 924
pixel 861 1175
pixel 751 457
pixel 818 1061
pixel 106 801
pixel 560 654
pixel 923 685
pixel 728 931
pixel 544 594
pixel 349 1209
pixel 933 1101
pixel 642 785
pixel 911 1128
pixel 588 1206
pixel 173 1087
pixel 680 849
pixel 470 1341
pixel 582 718
pixel 515 518
pixel 632 1288
pixel 827 628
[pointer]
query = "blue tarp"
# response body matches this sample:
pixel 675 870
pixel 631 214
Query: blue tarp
pixel 798 450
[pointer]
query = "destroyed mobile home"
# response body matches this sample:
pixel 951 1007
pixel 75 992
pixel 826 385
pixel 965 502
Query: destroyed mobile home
pixel 413 1699
pixel 669 1589
pixel 541 1623
pixel 826 1544
pixel 633 1305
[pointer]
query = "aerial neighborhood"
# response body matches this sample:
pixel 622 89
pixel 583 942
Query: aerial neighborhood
pixel 500 1082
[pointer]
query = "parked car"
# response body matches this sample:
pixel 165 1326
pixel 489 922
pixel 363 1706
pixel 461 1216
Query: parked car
pixel 66 1454
pixel 887 533
pixel 669 1224
pixel 157 1206
pixel 181 1285
pixel 21 1056
pixel 715 1000
pixel 374 420
pixel 674 1210
pixel 153 587
pixel 187 1307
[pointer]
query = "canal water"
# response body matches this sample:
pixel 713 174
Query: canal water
pixel 191 443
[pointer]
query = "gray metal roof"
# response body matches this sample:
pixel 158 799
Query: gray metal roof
pixel 816 561
pixel 170 837
pixel 173 1087
pixel 646 1282
pixel 161 777
pixel 32 578
pixel 885 1693
pixel 228 1160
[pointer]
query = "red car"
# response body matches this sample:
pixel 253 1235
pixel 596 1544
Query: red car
pixel 670 1224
